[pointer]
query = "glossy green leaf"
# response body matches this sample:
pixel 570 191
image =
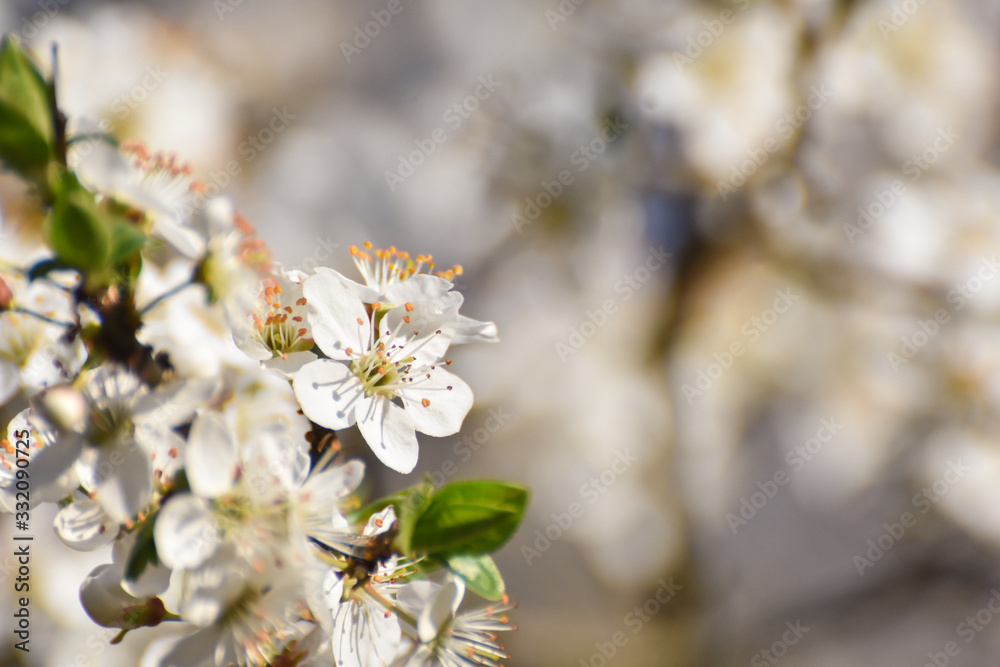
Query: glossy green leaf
pixel 469 517
pixel 480 574
pixel 409 509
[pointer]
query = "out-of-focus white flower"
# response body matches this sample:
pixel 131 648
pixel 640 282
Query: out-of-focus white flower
pixel 363 630
pixel 275 331
pixel 731 97
pixel 245 616
pixel 85 526
pixel 152 182
pixel 913 79
pixel 36 437
pixel 368 370
pixel 114 435
pixel 35 352
pixel 234 256
pixel 110 606
pixel 193 332
pixel 447 638
pixel 259 497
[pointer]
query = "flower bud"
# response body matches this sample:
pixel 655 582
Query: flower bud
pixel 107 603
pixel 6 296
pixel 65 407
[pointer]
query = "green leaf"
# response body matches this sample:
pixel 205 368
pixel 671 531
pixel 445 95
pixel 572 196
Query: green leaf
pixel 470 517
pixel 26 119
pixel 480 574
pixel 143 551
pixel 409 509
pixel 126 240
pixel 78 232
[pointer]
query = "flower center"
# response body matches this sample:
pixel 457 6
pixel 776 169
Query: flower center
pixel 108 425
pixel 282 329
pixel 379 374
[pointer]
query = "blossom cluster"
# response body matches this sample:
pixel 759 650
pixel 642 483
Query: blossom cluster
pixel 181 392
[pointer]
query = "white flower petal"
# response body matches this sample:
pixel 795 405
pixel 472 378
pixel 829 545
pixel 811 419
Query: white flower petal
pixel 416 595
pixel 167 450
pixel 448 400
pixel 184 240
pixel 329 393
pixel 154 580
pixel 10 381
pixel 337 318
pixel 364 637
pixel 390 433
pixel 185 532
pixel 121 475
pixel 425 337
pixel 49 463
pixel 316 502
pixel 83 525
pixel 248 344
pixel 290 365
pixel 380 522
pixel 340 481
pixel 211 460
pixel 468 330
pixel 193 650
pixel 173 404
pixel 421 287
pixel 104 599
pixel 442 607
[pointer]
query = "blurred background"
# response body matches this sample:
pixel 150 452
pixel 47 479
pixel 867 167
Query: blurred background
pixel 741 254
